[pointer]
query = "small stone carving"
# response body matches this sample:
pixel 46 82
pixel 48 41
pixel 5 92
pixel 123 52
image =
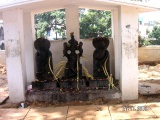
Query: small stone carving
pixel 100 57
pixel 73 51
pixel 43 59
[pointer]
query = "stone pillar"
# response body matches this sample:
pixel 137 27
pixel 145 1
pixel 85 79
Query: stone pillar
pixel 72 21
pixel 129 52
pixel 116 43
pixel 15 61
pixel 29 38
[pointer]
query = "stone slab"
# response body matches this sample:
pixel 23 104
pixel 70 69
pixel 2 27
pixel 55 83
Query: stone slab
pixel 49 113
pixel 93 112
pixel 13 114
pixel 44 85
pixel 149 87
pixel 67 96
pixel 70 84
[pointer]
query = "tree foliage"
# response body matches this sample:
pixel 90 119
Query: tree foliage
pixel 49 20
pixel 95 23
pixel 155 34
pixel 92 23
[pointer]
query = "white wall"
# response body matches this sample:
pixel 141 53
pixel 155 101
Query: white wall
pixel 14 49
pixel 88 49
pixel 28 46
pixel 149 54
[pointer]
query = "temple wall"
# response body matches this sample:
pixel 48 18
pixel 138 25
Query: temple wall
pixel 149 54
pixel 87 59
pixel 145 54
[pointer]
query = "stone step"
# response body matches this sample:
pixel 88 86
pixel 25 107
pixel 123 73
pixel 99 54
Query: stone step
pixel 70 84
pixel 68 96
pixel 148 87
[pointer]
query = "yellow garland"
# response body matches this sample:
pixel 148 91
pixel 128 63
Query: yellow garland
pixel 85 71
pixel 61 69
pixel 59 64
pixel 53 72
pixel 51 68
pixel 110 78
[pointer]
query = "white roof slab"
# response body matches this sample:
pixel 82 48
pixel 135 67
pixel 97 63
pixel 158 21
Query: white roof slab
pixel 47 5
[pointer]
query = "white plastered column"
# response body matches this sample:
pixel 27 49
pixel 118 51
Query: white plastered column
pixel 72 21
pixel 116 44
pixel 29 42
pixel 1 16
pixel 15 55
pixel 128 27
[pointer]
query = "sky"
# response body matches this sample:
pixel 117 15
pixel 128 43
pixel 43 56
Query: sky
pixel 150 16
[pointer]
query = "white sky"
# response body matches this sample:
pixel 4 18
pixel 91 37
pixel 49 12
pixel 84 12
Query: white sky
pixel 150 16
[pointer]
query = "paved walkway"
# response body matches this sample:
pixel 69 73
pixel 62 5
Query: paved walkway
pixel 149 111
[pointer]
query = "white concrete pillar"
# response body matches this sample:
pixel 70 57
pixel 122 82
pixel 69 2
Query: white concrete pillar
pixel 116 43
pixel 14 40
pixel 129 52
pixel 72 21
pixel 1 16
pixel 111 59
pixel 28 22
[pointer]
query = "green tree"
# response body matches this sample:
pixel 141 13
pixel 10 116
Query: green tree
pixel 49 21
pixel 155 34
pixel 95 23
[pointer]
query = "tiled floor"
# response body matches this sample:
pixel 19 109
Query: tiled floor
pixel 89 112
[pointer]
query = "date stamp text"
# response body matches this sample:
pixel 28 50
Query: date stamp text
pixel 134 108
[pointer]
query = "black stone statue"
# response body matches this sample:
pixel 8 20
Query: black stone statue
pixel 43 59
pixel 100 55
pixel 73 51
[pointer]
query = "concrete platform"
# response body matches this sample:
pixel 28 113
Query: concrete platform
pixel 87 112
pixel 67 96
pixel 149 87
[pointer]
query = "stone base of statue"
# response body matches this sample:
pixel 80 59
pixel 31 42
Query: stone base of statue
pixel 71 84
pixel 87 90
pixel 44 85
